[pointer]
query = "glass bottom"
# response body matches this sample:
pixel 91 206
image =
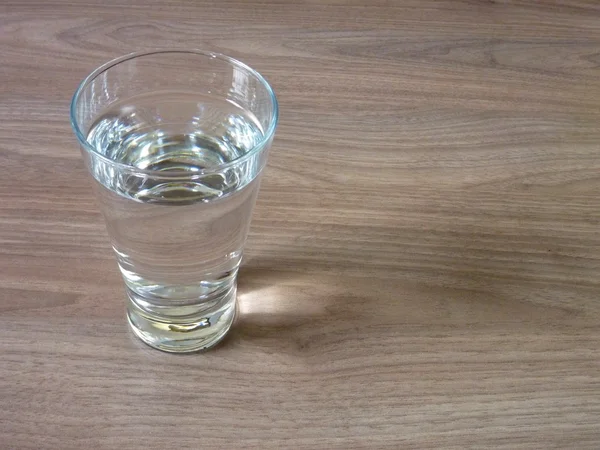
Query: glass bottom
pixel 184 333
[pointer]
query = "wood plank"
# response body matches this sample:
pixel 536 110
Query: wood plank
pixel 423 265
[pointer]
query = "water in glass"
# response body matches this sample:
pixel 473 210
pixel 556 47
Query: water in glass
pixel 178 237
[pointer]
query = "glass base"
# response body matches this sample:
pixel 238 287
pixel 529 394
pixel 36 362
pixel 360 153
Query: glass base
pixel 184 333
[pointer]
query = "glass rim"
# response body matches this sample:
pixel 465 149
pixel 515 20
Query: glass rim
pixel 268 134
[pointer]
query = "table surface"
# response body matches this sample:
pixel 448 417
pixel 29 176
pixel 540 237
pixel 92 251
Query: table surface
pixel 423 265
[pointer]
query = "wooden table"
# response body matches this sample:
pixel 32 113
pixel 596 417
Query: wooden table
pixel 423 269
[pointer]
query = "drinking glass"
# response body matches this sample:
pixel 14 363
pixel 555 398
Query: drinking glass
pixel 175 142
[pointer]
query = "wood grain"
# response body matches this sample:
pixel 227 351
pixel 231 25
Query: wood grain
pixel 423 266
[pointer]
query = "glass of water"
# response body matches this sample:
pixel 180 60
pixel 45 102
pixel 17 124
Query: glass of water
pixel 176 142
